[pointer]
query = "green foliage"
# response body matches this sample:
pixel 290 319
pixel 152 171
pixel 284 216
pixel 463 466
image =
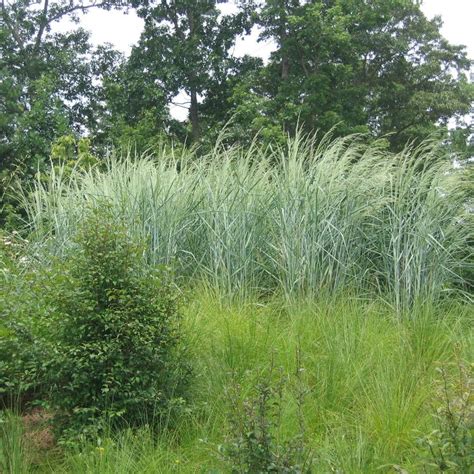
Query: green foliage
pixel 115 357
pixel 14 458
pixel 186 46
pixel 49 87
pixel 124 452
pixel 95 335
pixel 379 68
pixel 368 381
pixel 134 114
pixel 252 444
pixel 24 321
pixel 350 65
pixel 21 358
pixel 451 445
pixel 67 152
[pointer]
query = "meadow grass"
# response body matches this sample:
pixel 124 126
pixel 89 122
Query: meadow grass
pixel 333 264
pixel 14 458
pixel 367 378
pixel 296 220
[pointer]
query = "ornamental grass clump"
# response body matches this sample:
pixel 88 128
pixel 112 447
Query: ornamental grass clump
pixel 309 218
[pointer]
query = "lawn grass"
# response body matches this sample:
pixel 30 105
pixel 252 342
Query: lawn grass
pixel 368 379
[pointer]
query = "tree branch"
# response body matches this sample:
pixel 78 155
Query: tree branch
pixel 180 104
pixel 174 19
pixel 43 23
pixel 81 8
pixel 17 37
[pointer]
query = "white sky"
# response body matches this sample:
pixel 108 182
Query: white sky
pixel 123 31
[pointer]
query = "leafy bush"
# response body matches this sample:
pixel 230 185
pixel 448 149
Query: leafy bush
pixel 117 357
pixel 253 445
pixel 451 445
pixel 23 324
pixel 21 356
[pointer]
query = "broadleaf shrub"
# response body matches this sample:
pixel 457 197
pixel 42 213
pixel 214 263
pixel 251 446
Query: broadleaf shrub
pixel 253 444
pixel 117 357
pixel 24 320
pixel 451 446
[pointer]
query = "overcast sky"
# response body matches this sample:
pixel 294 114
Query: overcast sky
pixel 123 30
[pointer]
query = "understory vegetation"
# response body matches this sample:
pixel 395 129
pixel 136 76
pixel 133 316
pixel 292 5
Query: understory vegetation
pixel 298 309
pixel 359 393
pixel 242 245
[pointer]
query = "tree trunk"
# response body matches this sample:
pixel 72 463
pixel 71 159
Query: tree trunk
pixel 194 117
pixel 283 35
pixel 193 109
pixel 285 67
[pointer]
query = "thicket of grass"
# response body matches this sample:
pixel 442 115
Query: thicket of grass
pixel 298 262
pixel 368 381
pixel 296 221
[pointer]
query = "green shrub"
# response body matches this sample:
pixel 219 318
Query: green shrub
pixel 253 445
pixel 23 323
pixel 21 355
pixel 116 357
pixel 451 445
